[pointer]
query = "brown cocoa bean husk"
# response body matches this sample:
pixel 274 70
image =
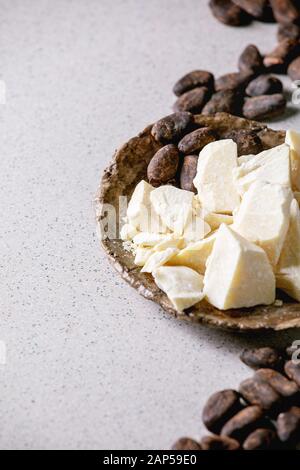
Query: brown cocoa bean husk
pixel 264 107
pixel 264 85
pixel 265 357
pixel 233 81
pixel 288 31
pixel 219 408
pixel 229 13
pixel 186 443
pixel 194 79
pixel 288 425
pixel 226 101
pixel 188 173
pixel 256 8
pixel 261 439
pixel 294 69
pixel 248 142
pixel 214 442
pixel 171 129
pixel 243 423
pixel 257 392
pixel 193 100
pixel 279 59
pixel 284 387
pixel 292 370
pixel 196 140
pixel 163 166
pixel 251 60
pixel 285 11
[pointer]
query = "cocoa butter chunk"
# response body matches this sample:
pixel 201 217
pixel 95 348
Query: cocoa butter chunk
pixel 185 443
pixel 279 59
pixel 262 357
pixel 261 439
pixel 214 442
pixel 243 423
pixel 264 107
pixel 188 173
pixel 288 31
pixel 294 69
pixel 229 13
pixel 233 81
pixel 193 100
pixel 171 128
pixel 264 85
pixel 248 142
pixel 196 140
pixel 251 60
pixel 195 79
pixel 288 425
pixel 220 407
pixel 286 11
pixel 163 166
pixel 260 393
pixel 284 387
pixel 226 101
pixel 292 370
pixel 254 8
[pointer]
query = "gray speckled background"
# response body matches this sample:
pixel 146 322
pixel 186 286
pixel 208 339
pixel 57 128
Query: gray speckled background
pixel 90 364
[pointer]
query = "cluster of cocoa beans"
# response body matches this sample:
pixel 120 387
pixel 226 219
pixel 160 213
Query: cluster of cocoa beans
pixel 264 414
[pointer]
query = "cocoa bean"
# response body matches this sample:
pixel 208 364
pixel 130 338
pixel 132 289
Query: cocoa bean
pixel 254 8
pixel 288 425
pixel 193 100
pixel 233 81
pixel 214 442
pixel 285 11
pixel 247 141
pixel 261 439
pixel 294 69
pixel 260 393
pixel 163 166
pixel 219 408
pixel 264 85
pixel 185 443
pixel 196 140
pixel 229 13
pixel 288 31
pixel 243 423
pixel 279 59
pixel 226 101
pixel 188 173
pixel 259 358
pixel 250 61
pixel 264 107
pixel 172 128
pixel 292 370
pixel 284 387
pixel 195 79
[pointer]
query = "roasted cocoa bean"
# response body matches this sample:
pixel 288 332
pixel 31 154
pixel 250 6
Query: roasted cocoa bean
pixel 288 31
pixel 233 81
pixel 163 166
pixel 214 442
pixel 261 439
pixel 250 61
pixel 260 393
pixel 292 370
pixel 288 425
pixel 284 387
pixel 227 101
pixel 220 407
pixel 185 443
pixel 279 59
pixel 264 107
pixel 188 173
pixel 229 13
pixel 171 128
pixel 285 11
pixel 294 69
pixel 259 358
pixel 195 79
pixel 247 141
pixel 264 85
pixel 196 140
pixel 254 8
pixel 193 100
pixel 243 423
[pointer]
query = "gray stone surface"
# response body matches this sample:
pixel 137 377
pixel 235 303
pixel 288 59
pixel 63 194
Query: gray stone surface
pixel 90 364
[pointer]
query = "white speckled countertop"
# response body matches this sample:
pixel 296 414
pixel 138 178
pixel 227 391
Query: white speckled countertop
pixel 91 364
